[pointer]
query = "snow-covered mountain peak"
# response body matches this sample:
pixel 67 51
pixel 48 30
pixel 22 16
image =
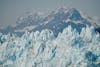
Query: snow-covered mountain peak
pixel 74 14
pixel 56 21
pixel 67 13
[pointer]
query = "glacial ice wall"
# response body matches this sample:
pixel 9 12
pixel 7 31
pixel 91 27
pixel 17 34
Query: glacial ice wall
pixel 43 49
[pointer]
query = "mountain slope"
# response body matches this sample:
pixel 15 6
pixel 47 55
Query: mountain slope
pixel 55 21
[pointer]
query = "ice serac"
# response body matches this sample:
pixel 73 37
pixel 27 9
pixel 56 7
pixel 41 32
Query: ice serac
pixel 43 49
pixel 56 21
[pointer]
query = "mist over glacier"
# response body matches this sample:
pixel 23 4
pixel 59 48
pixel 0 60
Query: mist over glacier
pixel 42 49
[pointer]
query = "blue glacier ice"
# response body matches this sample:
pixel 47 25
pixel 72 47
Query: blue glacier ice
pixel 43 49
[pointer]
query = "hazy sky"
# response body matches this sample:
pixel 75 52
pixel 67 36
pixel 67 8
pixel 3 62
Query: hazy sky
pixel 10 10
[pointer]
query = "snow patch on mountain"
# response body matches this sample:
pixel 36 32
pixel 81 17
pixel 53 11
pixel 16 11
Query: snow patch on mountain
pixel 26 29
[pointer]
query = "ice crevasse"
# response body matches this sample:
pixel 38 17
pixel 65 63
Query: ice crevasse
pixel 43 49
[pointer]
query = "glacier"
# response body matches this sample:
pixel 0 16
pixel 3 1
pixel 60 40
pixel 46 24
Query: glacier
pixel 42 49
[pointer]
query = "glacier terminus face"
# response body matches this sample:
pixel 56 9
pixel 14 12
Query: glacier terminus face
pixel 43 49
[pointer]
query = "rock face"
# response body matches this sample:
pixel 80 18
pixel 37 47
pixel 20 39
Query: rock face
pixel 56 21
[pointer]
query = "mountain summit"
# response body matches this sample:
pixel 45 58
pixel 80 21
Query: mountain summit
pixel 56 21
pixel 74 14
